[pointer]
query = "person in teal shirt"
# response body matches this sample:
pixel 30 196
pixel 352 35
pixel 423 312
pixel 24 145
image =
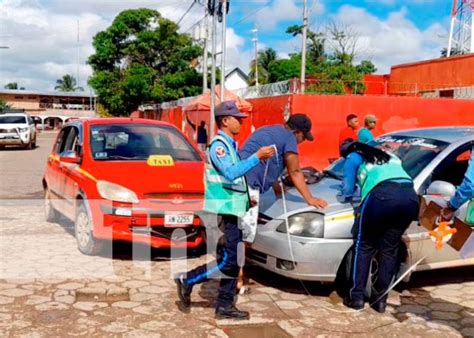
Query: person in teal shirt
pixel 365 134
pixel 389 205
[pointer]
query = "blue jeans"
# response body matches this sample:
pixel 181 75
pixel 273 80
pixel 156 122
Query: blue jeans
pixel 226 265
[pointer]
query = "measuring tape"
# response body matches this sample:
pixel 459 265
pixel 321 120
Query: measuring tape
pixel 285 211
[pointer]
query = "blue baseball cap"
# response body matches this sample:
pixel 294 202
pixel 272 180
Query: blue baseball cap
pixel 228 108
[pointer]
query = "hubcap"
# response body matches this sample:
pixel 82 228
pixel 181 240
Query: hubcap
pixel 83 229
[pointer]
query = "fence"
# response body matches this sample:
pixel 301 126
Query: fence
pixel 340 87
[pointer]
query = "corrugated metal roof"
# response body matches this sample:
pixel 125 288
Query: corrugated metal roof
pixel 46 93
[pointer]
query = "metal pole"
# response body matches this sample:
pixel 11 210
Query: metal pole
pixel 303 48
pixel 472 28
pixel 213 76
pixel 255 40
pixel 204 71
pixel 224 31
pixel 450 41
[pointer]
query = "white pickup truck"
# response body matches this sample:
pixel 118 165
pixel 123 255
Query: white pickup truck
pixel 17 129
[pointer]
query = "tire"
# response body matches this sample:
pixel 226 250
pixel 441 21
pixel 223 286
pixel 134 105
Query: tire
pixel 344 279
pixel 29 146
pixel 33 146
pixel 50 214
pixel 86 243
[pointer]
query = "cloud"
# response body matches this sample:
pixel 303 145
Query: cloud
pixel 43 37
pixel 269 17
pixel 393 40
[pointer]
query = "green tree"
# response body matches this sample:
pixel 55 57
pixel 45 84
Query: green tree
pixel 3 106
pixel 316 43
pixel 11 85
pixel 140 58
pixel 285 69
pixel 454 51
pixel 265 58
pixel 67 84
pixel 366 67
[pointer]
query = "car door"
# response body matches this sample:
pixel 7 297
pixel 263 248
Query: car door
pixel 32 129
pixel 68 182
pixel 451 169
pixel 53 173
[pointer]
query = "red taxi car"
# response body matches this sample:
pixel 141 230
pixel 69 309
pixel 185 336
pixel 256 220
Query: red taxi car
pixel 126 179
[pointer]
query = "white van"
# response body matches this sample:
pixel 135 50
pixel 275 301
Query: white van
pixel 17 129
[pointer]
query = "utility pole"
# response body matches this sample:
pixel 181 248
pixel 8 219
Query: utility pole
pixel 213 71
pixel 206 36
pixel 255 41
pixel 78 52
pixel 224 31
pixel 303 48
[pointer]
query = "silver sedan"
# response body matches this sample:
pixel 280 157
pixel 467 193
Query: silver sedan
pixel 318 245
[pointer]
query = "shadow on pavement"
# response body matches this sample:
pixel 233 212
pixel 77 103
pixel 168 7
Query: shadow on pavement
pixel 442 307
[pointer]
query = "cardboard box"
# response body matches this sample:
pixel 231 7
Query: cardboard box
pixel 462 240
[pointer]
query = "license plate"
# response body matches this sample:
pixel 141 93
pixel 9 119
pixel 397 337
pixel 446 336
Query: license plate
pixel 178 219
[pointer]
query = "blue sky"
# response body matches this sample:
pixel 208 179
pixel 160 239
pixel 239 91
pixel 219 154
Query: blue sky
pixel 42 35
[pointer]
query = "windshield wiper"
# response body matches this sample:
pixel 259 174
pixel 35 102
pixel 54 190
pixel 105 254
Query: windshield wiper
pixel 332 174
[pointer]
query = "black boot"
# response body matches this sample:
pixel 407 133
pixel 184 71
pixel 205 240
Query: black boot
pixel 378 302
pixel 353 304
pixel 231 312
pixel 184 291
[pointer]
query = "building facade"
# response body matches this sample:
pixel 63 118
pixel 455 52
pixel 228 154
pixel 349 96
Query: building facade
pixel 52 109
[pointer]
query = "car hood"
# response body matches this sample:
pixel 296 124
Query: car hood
pixel 12 125
pixel 327 189
pixel 182 177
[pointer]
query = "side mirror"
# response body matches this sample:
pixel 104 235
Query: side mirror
pixel 69 156
pixel 441 188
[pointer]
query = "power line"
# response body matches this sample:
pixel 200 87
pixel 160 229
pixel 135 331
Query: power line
pixel 253 13
pixel 185 13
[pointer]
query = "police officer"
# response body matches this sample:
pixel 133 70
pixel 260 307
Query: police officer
pixel 389 205
pixel 227 195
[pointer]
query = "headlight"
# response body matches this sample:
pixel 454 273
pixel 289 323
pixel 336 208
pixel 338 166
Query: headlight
pixel 22 130
pixel 115 192
pixel 308 224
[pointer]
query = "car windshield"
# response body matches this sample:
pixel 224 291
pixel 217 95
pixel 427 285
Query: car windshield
pixel 415 153
pixel 12 120
pixel 138 142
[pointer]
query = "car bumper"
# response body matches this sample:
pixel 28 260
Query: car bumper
pixel 317 259
pixel 13 139
pixel 147 228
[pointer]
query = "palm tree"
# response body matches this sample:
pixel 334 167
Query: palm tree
pixel 67 84
pixel 11 85
pixel 265 58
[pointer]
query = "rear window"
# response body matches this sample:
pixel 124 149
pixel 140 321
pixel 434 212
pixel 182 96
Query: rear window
pixel 138 142
pixel 12 120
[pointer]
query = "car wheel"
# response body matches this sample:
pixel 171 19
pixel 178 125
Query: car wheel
pixel 33 146
pixel 29 146
pixel 50 213
pixel 343 280
pixel 86 242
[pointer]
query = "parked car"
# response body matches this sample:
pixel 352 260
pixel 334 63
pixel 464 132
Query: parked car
pixel 126 179
pixel 17 129
pixel 321 240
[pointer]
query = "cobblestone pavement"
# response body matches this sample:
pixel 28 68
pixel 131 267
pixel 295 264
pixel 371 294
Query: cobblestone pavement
pixel 48 288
